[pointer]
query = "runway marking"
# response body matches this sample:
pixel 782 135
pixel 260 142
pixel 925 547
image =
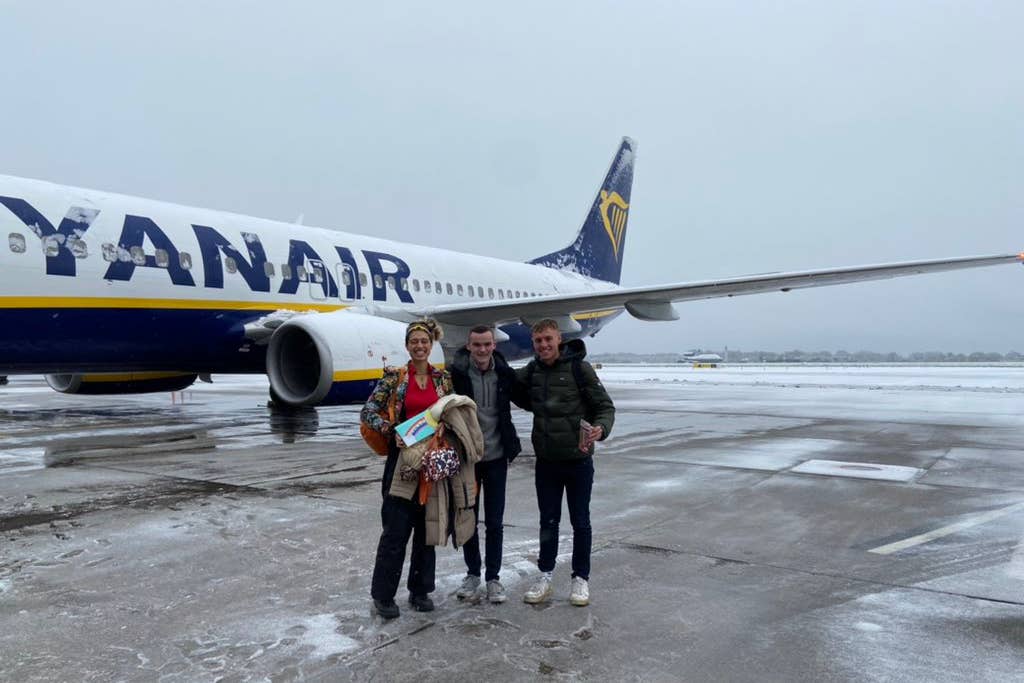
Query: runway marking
pixel 858 470
pixel 974 520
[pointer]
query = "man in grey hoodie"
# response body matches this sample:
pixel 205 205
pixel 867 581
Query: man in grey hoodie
pixel 480 372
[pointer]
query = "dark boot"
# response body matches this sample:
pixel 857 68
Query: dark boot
pixel 386 608
pixel 421 603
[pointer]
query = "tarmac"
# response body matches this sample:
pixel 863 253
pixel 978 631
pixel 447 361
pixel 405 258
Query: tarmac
pixel 749 525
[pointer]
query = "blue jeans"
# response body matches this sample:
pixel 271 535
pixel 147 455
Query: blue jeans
pixel 576 479
pixel 490 481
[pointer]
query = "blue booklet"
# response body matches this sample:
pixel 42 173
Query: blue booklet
pixel 416 428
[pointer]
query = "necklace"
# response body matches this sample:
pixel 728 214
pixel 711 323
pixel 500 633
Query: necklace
pixel 421 379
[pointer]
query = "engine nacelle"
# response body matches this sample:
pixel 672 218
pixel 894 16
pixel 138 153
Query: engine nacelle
pixel 334 358
pixel 120 383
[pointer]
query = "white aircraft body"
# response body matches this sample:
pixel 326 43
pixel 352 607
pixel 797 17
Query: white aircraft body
pixel 106 293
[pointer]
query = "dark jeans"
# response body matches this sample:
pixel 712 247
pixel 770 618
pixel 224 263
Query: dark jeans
pixel 490 481
pixel 576 478
pixel 402 517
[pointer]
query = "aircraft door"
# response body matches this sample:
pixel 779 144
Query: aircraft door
pixel 318 285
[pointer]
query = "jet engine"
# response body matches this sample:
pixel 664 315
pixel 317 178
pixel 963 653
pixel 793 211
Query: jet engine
pixel 334 358
pixel 120 383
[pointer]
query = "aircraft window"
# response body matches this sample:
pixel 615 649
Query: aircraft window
pixel 469 290
pixel 318 275
pixel 391 281
pixel 437 287
pixel 426 285
pixel 300 272
pixel 404 284
pixel 185 260
pixel 268 269
pixel 346 278
pixel 415 285
pixel 490 292
pixel 16 241
pixel 162 258
pixel 458 288
pixel 508 293
pixel 138 256
pixel 79 248
pixel 448 287
pixel 109 252
pixel 51 246
pixel 362 279
pixel 378 282
pixel 286 271
pixel 501 294
pixel 230 265
pixel 480 292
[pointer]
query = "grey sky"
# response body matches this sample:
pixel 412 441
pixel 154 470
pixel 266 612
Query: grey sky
pixel 772 136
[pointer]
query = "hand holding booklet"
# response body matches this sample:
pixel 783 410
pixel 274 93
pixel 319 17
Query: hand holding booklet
pixel 586 436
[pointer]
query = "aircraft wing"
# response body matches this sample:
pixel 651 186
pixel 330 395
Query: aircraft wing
pixel 655 302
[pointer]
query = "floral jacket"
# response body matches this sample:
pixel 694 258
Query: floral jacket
pixel 389 383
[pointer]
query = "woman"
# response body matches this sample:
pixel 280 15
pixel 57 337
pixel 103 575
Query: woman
pixel 415 390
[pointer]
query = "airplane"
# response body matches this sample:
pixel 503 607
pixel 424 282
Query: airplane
pixel 105 293
pixel 695 357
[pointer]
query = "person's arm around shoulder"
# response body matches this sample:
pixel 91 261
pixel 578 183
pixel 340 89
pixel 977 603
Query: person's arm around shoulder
pixel 378 401
pixel 446 383
pixel 601 406
pixel 520 394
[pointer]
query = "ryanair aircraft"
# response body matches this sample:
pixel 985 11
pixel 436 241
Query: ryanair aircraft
pixel 105 293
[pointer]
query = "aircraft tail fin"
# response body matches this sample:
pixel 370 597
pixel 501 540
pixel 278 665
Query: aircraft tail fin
pixel 598 248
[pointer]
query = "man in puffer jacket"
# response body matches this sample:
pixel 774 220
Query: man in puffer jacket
pixel 562 390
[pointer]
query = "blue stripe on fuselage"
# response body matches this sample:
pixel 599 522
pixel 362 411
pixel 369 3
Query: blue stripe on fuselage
pixel 48 340
pixel 120 339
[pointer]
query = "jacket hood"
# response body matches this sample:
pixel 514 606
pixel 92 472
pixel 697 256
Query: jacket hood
pixel 574 348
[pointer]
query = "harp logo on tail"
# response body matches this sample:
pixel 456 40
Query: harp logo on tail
pixel 614 211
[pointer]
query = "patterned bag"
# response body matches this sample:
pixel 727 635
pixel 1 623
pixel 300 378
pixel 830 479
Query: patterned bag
pixel 440 460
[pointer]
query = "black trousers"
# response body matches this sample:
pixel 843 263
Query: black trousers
pixel 401 518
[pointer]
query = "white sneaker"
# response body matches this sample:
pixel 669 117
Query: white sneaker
pixel 540 591
pixel 580 593
pixel 468 587
pixel 496 592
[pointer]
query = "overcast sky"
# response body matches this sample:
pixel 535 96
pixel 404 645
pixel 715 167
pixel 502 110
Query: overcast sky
pixel 771 136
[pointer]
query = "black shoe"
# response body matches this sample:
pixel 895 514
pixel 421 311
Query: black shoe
pixel 421 603
pixel 386 608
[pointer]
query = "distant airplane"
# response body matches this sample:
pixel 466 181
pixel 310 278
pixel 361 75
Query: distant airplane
pixel 105 293
pixel 693 357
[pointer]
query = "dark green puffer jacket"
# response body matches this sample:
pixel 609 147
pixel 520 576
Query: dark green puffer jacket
pixel 551 393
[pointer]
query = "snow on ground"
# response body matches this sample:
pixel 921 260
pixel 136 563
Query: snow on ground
pixel 933 377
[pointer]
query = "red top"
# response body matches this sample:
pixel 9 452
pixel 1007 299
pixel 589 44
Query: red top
pixel 417 400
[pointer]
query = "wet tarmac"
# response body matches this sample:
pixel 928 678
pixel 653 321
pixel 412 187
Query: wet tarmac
pixel 749 525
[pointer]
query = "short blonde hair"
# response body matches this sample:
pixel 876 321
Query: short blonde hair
pixel 545 324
